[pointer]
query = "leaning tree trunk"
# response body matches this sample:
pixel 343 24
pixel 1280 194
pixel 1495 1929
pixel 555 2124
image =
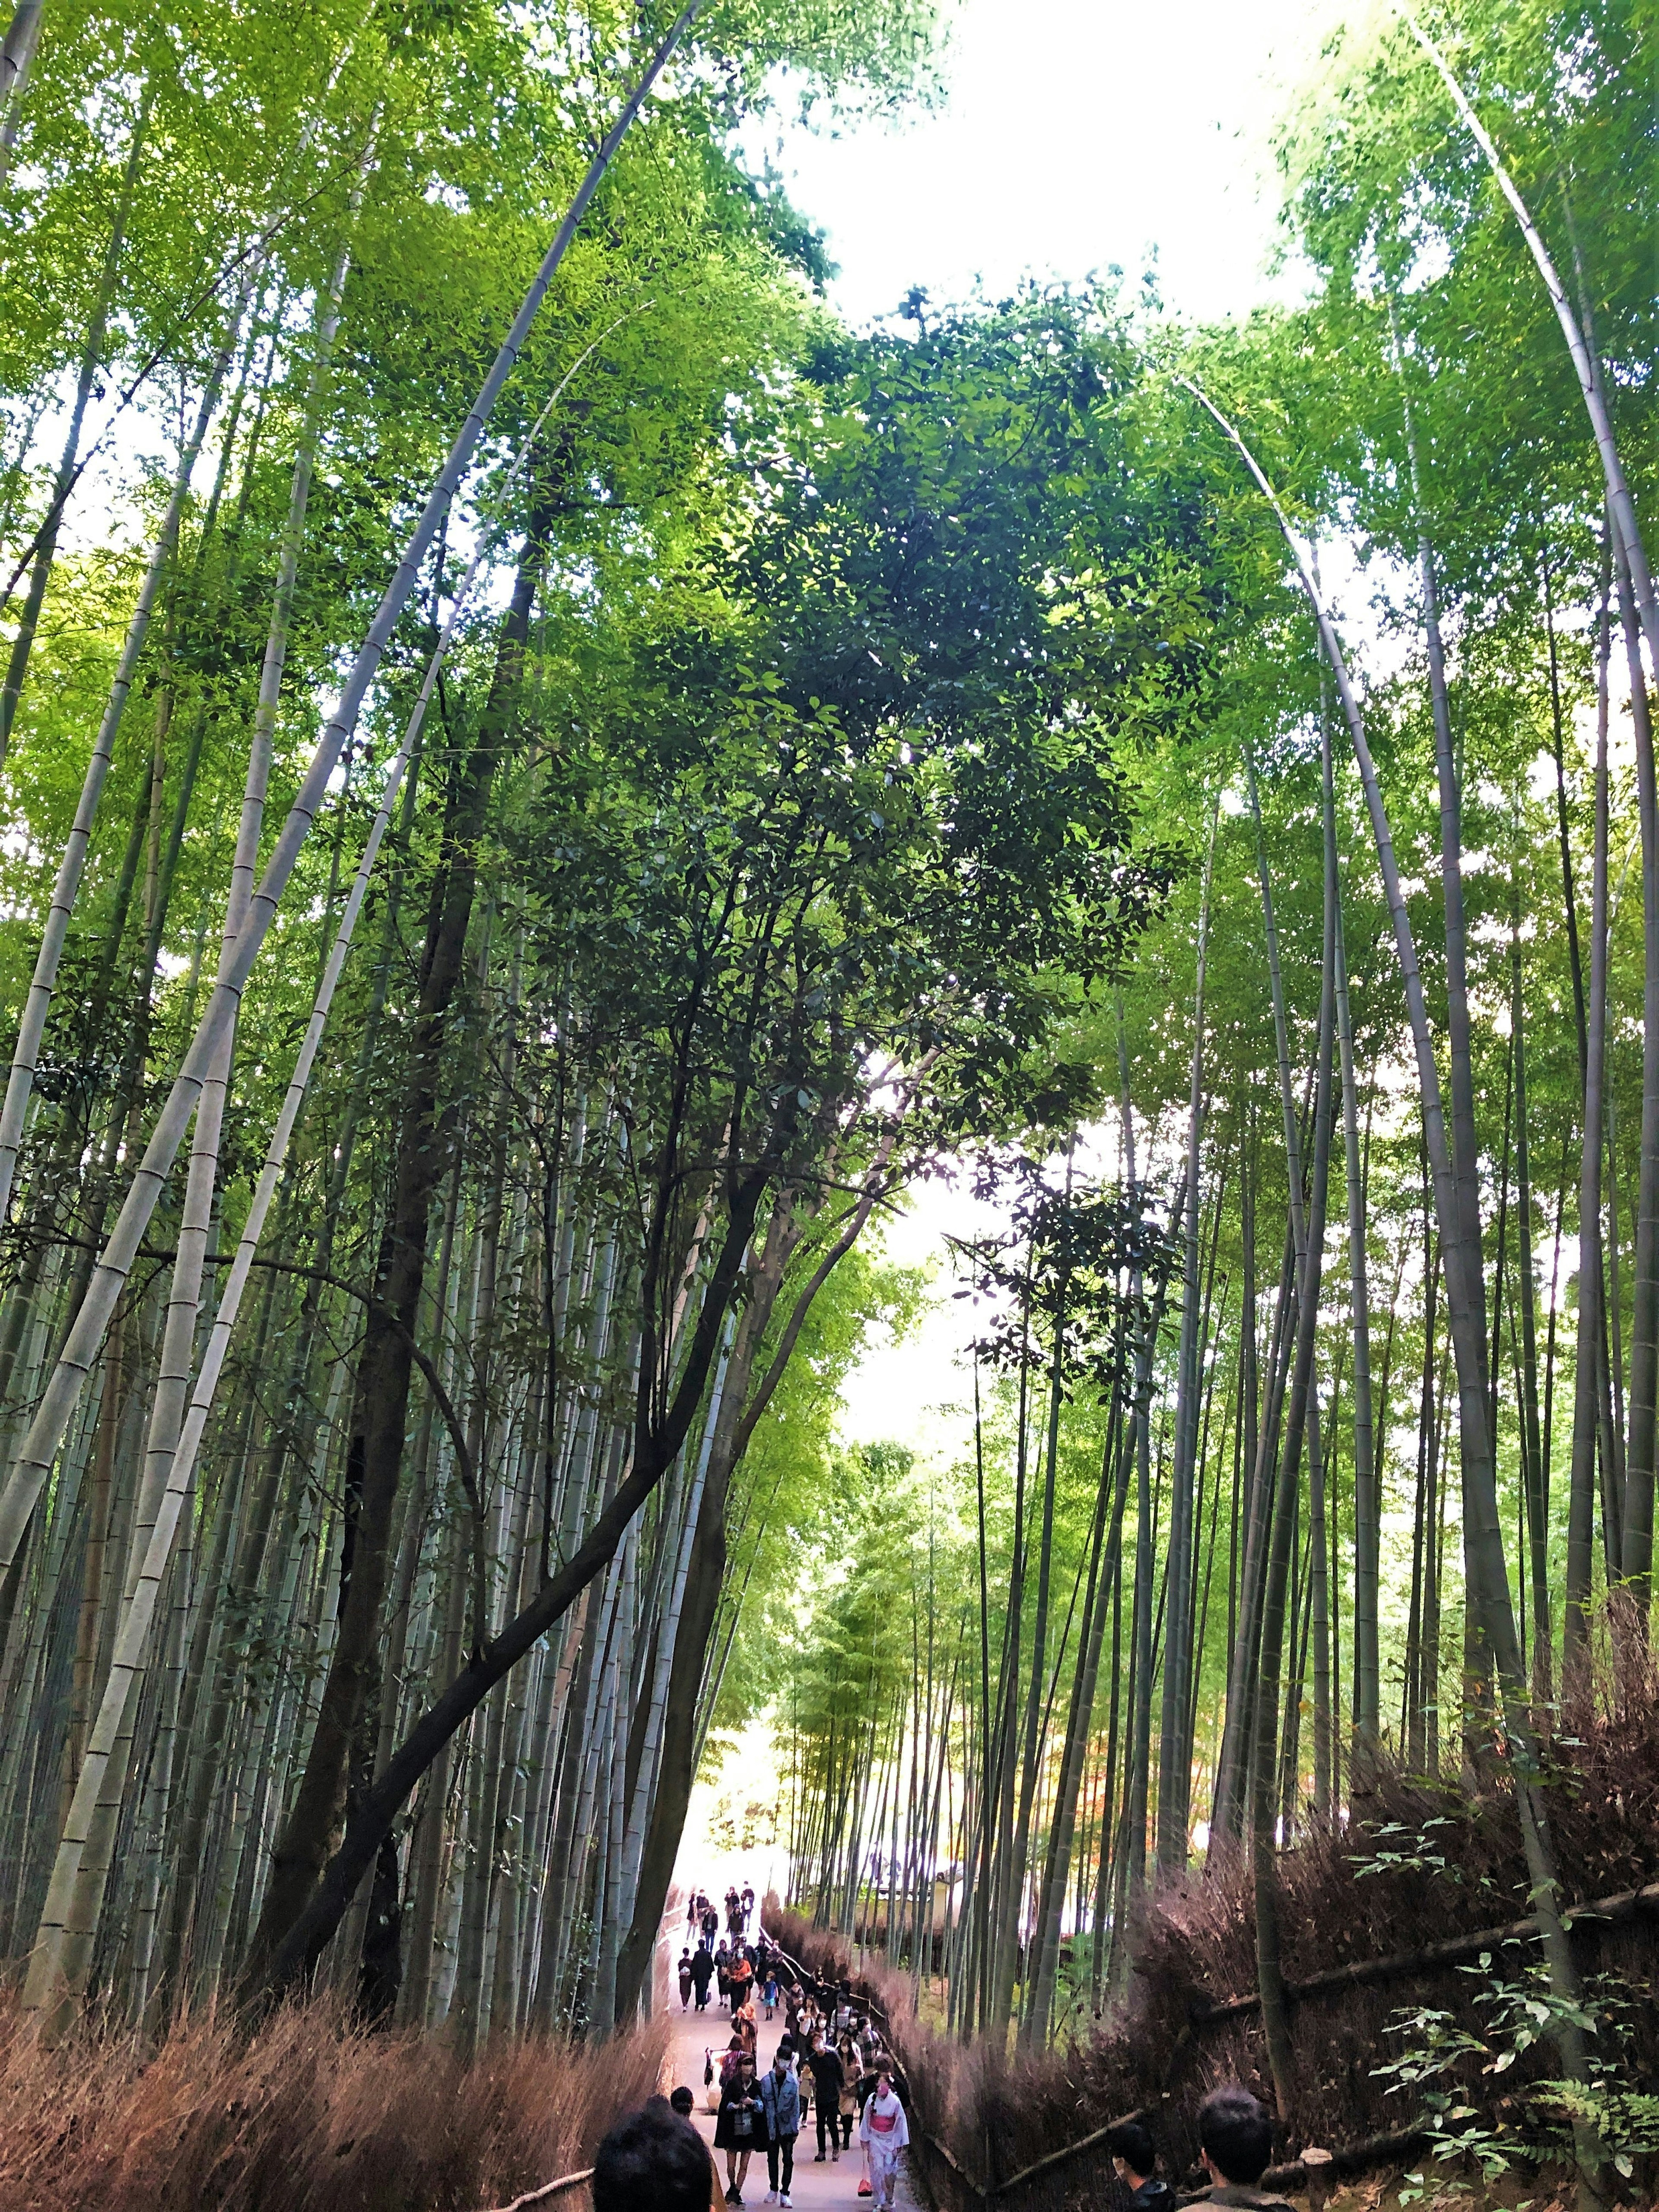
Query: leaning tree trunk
pixel 58 1962
pixel 85 1337
pixel 44 547
pixel 421 1161
pixel 171 1385
pixel 43 986
pixel 16 60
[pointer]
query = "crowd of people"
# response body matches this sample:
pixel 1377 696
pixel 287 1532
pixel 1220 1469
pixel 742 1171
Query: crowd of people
pixel 831 2067
pixel 833 2073
pixel 655 2156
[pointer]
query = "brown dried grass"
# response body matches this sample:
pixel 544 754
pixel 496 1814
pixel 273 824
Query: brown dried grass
pixel 307 2116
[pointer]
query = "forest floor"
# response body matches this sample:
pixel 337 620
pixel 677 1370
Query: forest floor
pixel 1438 2190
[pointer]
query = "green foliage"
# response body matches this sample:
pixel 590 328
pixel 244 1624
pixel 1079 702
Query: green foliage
pixel 1447 2068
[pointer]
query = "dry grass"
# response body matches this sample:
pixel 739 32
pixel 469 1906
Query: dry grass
pixel 306 2116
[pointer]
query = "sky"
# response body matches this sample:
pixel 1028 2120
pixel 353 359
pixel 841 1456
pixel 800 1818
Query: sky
pixel 1073 134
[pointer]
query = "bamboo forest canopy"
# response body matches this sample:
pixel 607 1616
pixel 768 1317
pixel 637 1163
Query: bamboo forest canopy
pixel 577 834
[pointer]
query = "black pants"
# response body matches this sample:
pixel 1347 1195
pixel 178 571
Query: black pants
pixel 828 2117
pixel 780 2159
pixel 847 2120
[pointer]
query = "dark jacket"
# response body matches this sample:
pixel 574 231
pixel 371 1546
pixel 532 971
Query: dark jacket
pixel 731 2132
pixel 702 1967
pixel 1152 2195
pixel 829 2076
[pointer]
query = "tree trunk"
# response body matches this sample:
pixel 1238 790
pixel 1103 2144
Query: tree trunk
pixel 421 1161
pixel 1174 1755
pixel 1586 1420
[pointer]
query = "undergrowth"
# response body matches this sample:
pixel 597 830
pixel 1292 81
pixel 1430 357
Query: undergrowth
pixel 1421 1859
pixel 306 2116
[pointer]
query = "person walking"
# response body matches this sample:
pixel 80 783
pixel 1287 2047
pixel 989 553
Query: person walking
pixel 851 2071
pixel 779 2094
pixel 711 1926
pixel 739 2124
pixel 884 2131
pixel 702 1972
pixel 685 1981
pixel 741 1976
pixel 828 2082
pixel 748 1902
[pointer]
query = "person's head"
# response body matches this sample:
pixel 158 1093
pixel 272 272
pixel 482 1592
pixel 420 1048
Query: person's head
pixel 1236 2135
pixel 681 2101
pixel 883 2081
pixel 1132 2150
pixel 736 2044
pixel 653 2157
pixel 817 2040
pixel 780 2062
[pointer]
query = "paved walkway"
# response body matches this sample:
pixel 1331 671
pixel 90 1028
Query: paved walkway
pixel 827 2186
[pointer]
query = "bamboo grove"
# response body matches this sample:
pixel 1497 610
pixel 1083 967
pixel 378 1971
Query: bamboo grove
pixel 547 783
pixel 1310 1427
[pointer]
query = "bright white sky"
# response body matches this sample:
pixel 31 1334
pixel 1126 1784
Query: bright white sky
pixel 1074 134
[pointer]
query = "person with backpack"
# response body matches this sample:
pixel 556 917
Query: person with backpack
pixel 739 2124
pixel 779 2094
pixel 884 2131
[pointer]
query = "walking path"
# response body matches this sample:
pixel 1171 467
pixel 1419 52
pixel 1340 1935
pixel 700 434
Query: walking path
pixel 829 2185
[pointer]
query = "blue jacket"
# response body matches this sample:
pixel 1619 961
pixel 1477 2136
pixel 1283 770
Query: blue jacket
pixel 783 2102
